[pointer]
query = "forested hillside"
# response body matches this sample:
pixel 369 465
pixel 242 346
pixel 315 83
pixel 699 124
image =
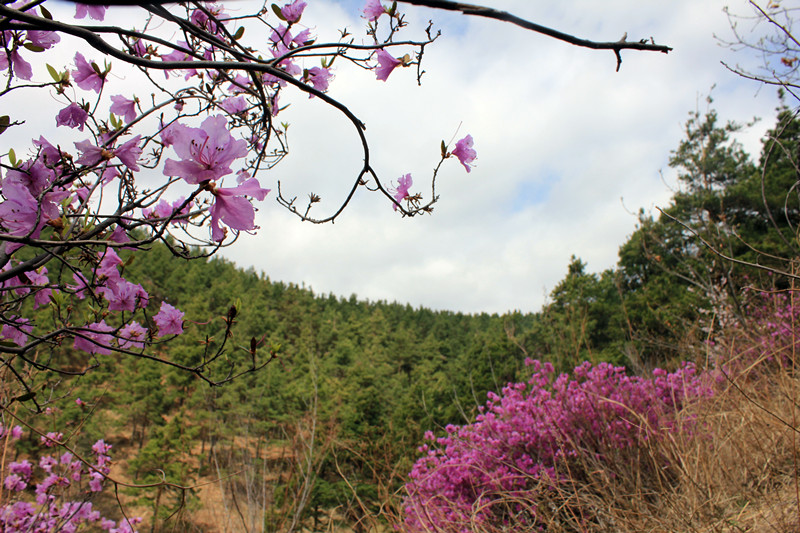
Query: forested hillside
pixel 328 430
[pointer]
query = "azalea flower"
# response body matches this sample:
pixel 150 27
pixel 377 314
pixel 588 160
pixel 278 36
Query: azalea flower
pixel 233 209
pixel 318 78
pixel 42 39
pixel 19 66
pixel 373 10
pixel 401 192
pixel 129 153
pixel 50 153
pixel 180 55
pixel 19 213
pixel 132 336
pixel 95 338
pixel 85 76
pixel 169 320
pixel 91 154
pixel 206 152
pixel 123 107
pixel 95 12
pixel 292 12
pixel 465 153
pixel 72 116
pixel 386 64
pixel 234 104
pixel 17 331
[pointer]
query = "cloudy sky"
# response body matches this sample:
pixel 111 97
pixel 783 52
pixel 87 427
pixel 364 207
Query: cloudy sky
pixel 568 152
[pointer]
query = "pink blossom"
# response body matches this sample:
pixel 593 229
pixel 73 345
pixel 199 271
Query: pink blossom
pixel 122 295
pixel 94 11
pixel 201 20
pixel 17 330
pixel 39 278
pixel 85 75
pixel 50 153
pixel 94 338
pixel 386 64
pixel 319 78
pixel 22 468
pixel 132 336
pixel 72 116
pixel 240 81
pixel 9 57
pixel 123 107
pixel 292 12
pixel 233 209
pixel 303 38
pixel 180 54
pixel 51 438
pixel 91 154
pixel 169 320
pixel 15 483
pixel 41 38
pixel 96 482
pixel 119 235
pixel 401 192
pixel 138 48
pixel 129 153
pixel 373 10
pixel 19 213
pixel 206 153
pixel 101 448
pixel 234 104
pixel 465 153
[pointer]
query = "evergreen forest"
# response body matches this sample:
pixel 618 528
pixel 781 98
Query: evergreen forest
pixel 324 436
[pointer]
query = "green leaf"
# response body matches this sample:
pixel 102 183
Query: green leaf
pixel 12 157
pixel 277 11
pixel 45 13
pixel 444 150
pixel 32 47
pixel 5 120
pixel 53 73
pixel 239 33
pixel 96 68
pixel 393 9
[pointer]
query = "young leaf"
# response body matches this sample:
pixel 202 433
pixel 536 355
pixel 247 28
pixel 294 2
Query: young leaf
pixel 444 150
pixel 53 73
pixel 239 33
pixel 277 11
pixel 32 47
pixel 45 13
pixel 12 157
pixel 5 120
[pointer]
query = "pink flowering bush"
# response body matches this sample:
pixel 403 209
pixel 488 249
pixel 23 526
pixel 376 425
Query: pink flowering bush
pixel 55 493
pixel 536 440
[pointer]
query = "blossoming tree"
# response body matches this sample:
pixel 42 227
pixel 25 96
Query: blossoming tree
pixel 182 166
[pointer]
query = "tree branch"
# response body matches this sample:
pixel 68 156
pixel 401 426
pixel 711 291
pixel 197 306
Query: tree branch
pixel 504 16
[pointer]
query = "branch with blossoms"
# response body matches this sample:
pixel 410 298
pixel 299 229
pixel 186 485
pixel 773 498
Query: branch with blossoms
pixel 182 166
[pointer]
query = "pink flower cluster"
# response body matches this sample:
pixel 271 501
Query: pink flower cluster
pixel 61 489
pixel 520 444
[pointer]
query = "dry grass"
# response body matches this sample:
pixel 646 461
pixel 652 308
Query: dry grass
pixel 736 472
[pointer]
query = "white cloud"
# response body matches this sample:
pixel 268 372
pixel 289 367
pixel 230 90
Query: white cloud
pixel 567 148
pixel 582 145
